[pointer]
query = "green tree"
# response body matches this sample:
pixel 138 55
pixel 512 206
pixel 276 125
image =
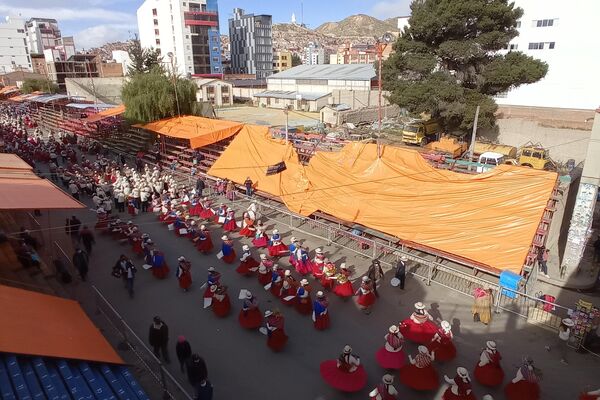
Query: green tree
pixel 446 62
pixel 296 60
pixel 142 60
pixel 151 96
pixel 152 59
pixel 42 85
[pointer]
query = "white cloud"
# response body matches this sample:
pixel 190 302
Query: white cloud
pixel 98 35
pixel 391 8
pixel 68 14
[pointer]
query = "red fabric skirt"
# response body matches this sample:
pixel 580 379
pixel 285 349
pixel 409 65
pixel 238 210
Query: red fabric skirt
pixel 366 300
pixel 303 267
pixel 277 340
pixel 418 333
pixel 131 210
pixel 168 219
pixel 287 293
pixel 161 272
pixel 230 226
pixel 489 375
pixel 448 395
pixel 419 378
pixel 326 282
pixel 245 266
pixel 137 247
pixel 260 242
pixel 185 281
pixel 251 319
pixel 304 306
pixel 230 258
pixel 321 322
pixel 264 279
pixel 221 308
pixel 206 213
pixel 341 380
pixel 276 288
pixel 344 289
pixel 246 232
pixel 278 250
pixel 585 396
pixel 205 246
pixel 444 350
pixel 522 390
pixel 389 359
pixel 196 210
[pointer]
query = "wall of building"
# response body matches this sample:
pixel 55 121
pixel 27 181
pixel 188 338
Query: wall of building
pixel 358 98
pixel 251 43
pixel 217 92
pixel 122 57
pixel 370 114
pixel 13 46
pixel 42 33
pixel 298 105
pixel 107 90
pixel 245 93
pixel 315 86
pixel 282 60
pixel 111 70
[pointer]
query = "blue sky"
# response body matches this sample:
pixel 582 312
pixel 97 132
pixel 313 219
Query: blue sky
pixel 95 22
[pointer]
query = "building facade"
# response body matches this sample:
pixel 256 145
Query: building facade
pixel 282 60
pixel 313 54
pixel 556 33
pixel 42 34
pixel 251 42
pixel 14 53
pixel 187 30
pixel 219 93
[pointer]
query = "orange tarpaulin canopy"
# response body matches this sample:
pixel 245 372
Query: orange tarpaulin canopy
pixel 22 189
pixel 200 131
pixel 490 218
pixel 8 89
pixel 109 112
pixel 41 325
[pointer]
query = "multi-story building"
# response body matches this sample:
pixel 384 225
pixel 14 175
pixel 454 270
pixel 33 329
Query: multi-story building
pixel 14 54
pixel 42 34
pixel 282 60
pixel 189 31
pixel 313 54
pixel 251 44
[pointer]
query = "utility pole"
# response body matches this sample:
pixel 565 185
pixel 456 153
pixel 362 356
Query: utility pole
pixel 286 112
pixel 473 136
pixel 170 55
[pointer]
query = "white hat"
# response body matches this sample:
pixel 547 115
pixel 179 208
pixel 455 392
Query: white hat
pixel 211 269
pixel 404 258
pixel 446 325
pixel 202 227
pixel 423 349
pixel 393 329
pixel 193 222
pixel 149 241
pixel 181 258
pixel 293 239
pixel 487 397
pixel 245 247
pixel 268 313
pixel 213 288
pixel 490 344
pixel 419 306
pixel 145 236
pixel 318 250
pixel 320 294
pixel 347 349
pixel 388 379
pixel 304 282
pixel 343 266
pixel 229 209
pixel 263 256
pixel 224 237
pixel 462 372
pixel 287 272
pixel 568 322
pixel 365 278
pixel 248 294
pixel 129 222
pixel 275 231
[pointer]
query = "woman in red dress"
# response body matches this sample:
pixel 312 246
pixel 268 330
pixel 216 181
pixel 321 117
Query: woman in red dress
pixel 160 269
pixel 419 328
pixel 276 337
pixel 460 387
pixel 277 275
pixel 318 263
pixel 287 294
pixel 136 243
pixel 248 264
pixel 101 219
pixel 303 301
pixel 207 212
pixel 276 246
pixel 385 390
pixel 250 316
pixel 346 373
pixel 204 242
pixel 328 277
pixel 260 238
pixel 248 230
pixel 184 274
pixel 366 297
pixel 488 371
pixel 230 225
pixel 264 270
pixel 442 344
pixel 391 355
pixel 525 384
pixel 196 207
pixel 320 314
pixel 220 303
pixel 343 287
pixel 420 374
pixel 227 251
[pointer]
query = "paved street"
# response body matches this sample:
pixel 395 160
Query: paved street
pixel 241 365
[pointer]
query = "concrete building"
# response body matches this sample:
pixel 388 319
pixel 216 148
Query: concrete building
pixel 251 44
pixel 42 34
pixel 16 78
pixel 76 66
pixel 314 54
pixel 122 57
pixel 282 60
pixel 355 54
pixel 556 33
pixel 38 63
pixel 99 90
pixel 188 30
pixel 219 93
pixel 14 54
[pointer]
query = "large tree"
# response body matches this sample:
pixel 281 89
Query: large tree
pixel 150 96
pixel 449 60
pixel 142 60
pixel 42 85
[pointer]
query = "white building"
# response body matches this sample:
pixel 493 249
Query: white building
pixel 188 30
pixel 14 54
pixel 219 93
pixel 313 54
pixel 122 57
pixel 562 35
pixel 42 34
pixel 403 23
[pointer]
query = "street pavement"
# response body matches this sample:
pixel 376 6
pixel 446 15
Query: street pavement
pixel 242 366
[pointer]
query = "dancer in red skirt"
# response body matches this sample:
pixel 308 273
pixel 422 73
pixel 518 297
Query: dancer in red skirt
pixel 248 230
pixel 320 314
pixel 196 207
pixel 593 395
pixel 207 212
pixel 318 263
pixel 221 214
pixel 264 271
pixel 303 301
pixel 230 225
pixel 420 374
pixel 303 264
pixel 204 242
pixel 136 243
pixel 366 297
pixel 248 264
pixel 385 390
pixel 419 328
pixel 293 247
pixel 184 274
pixel 160 269
pixel 276 246
pixel 250 316
pixel 227 252
pixel 277 275
pixel 260 238
pixel 488 371
pixel 442 344
pixel 343 287
pixel 391 355
pixel 276 337
pixel 344 374
pixel 328 277
pixel 287 294
pixel 460 387
pixel 220 303
pixel 525 384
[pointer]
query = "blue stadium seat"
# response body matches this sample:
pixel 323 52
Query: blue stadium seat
pixel 133 384
pixel 73 382
pixel 16 376
pixel 53 392
pixel 6 389
pixel 122 391
pixel 98 386
pixel 32 382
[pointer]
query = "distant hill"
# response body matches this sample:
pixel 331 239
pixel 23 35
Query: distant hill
pixel 105 51
pixel 360 25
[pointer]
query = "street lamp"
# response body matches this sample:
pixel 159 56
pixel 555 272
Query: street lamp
pixel 170 55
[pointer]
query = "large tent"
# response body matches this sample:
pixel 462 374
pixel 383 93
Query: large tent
pixel 488 218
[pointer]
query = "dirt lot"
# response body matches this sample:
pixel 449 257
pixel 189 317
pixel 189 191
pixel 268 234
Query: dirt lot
pixel 267 116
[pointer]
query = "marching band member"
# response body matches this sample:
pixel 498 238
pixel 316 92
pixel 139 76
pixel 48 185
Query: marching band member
pixel 391 355
pixel 442 343
pixel 460 387
pixel 346 373
pixel 488 371
pixel 320 314
pixel 418 327
pixel 420 374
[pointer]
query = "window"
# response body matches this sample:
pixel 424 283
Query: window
pixel 155 22
pixel 20 30
pixel 158 42
pixel 518 24
pixel 187 36
pixel 154 12
pixel 551 45
pixel 536 46
pixel 215 59
pixel 542 23
pixel 156 32
pixel 514 46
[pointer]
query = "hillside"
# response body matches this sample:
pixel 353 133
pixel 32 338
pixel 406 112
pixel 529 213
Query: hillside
pixel 360 25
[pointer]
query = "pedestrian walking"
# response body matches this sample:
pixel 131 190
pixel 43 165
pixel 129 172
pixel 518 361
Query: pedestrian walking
pixel 562 342
pixel 87 238
pixel 129 272
pixel 375 273
pixel 542 259
pixel 158 336
pixel 200 185
pixel 400 274
pixel 81 262
pixel 482 305
pixel 204 391
pixel 248 184
pixel 183 351
pixel 197 371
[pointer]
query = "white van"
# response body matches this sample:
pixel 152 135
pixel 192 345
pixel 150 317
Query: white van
pixel 489 160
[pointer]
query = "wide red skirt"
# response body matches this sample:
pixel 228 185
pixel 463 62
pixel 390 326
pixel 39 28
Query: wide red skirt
pixel 277 340
pixel 221 308
pixel 288 293
pixel 341 380
pixel 196 210
pixel 448 395
pixel 245 266
pixel 137 247
pixel 229 258
pixel 185 281
pixel 522 390
pixel 321 322
pixel 489 375
pixel 278 250
pixel 251 319
pixel 246 232
pixel 260 242
pixel 366 300
pixel 205 246
pixel 419 378
pixel 418 333
pixel 264 279
pixel 326 282
pixel 230 226
pixel 206 213
pixel 389 359
pixel 303 267
pixel 161 272
pixel 304 306
pixel 585 396
pixel 276 288
pixel 344 289
pixel 444 350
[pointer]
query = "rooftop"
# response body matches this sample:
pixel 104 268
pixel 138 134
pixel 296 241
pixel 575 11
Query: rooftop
pixel 290 95
pixel 356 72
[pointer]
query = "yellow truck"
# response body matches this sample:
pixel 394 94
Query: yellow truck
pixel 421 132
pixel 537 157
pixel 508 151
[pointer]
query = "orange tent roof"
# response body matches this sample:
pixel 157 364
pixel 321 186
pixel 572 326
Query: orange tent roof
pixel 490 218
pixel 8 89
pixel 22 189
pixel 40 325
pixel 109 112
pixel 200 131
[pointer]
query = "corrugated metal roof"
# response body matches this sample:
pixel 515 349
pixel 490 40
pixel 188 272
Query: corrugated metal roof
pixel 282 94
pixel 82 106
pixel 355 72
pixel 50 98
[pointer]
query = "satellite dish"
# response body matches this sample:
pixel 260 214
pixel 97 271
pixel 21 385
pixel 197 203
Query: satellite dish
pixel 387 37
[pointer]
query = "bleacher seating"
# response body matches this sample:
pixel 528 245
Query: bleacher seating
pixel 25 377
